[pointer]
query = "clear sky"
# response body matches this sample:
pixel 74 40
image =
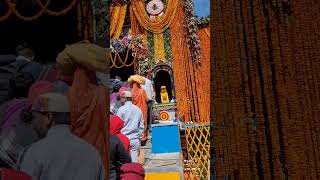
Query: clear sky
pixel 202 7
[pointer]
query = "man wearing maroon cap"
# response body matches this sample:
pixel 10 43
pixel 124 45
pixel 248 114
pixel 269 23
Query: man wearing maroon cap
pixel 60 155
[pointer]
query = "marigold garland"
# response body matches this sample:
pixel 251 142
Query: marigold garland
pixel 120 2
pixel 207 31
pixel 203 76
pixel 203 22
pixel 36 16
pixel 118 14
pixel 115 13
pixel 191 31
pixel 59 13
pixel 135 25
pixel 178 58
pixel 138 45
pixel 167 46
pixel 44 9
pixel 150 46
pixel 160 25
pixel 159 47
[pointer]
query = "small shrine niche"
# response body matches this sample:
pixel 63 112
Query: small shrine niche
pixel 163 83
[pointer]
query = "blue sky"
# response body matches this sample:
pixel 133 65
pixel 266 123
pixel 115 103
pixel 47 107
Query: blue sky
pixel 202 7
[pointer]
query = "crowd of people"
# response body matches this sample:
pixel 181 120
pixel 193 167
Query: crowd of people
pixel 53 125
pixel 131 102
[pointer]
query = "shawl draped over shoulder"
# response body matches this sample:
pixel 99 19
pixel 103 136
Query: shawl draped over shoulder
pixel 88 111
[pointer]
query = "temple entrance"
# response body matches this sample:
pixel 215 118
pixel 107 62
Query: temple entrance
pixel 162 78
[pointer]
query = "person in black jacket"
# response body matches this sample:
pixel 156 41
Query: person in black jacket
pixel 118 157
pixel 25 60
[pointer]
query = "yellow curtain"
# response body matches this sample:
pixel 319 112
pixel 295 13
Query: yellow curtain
pixel 118 14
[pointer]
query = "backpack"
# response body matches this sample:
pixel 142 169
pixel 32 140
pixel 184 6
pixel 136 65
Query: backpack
pixel 6 73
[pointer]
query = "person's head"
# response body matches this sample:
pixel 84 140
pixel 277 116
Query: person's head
pixel 48 110
pixel 163 89
pixel 117 85
pixel 118 77
pixel 125 96
pixel 25 50
pixel 19 85
pixel 38 88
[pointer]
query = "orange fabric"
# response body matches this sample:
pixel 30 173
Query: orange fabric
pixel 88 112
pixel 139 98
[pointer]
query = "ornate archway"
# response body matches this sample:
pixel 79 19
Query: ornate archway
pixel 162 66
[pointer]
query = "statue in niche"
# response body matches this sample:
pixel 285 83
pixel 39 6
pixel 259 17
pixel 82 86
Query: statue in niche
pixel 163 87
pixel 164 94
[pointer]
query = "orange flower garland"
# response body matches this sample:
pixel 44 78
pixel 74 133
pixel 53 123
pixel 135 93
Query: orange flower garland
pixel 203 74
pixel 207 31
pixel 114 10
pixel 191 82
pixel 44 10
pixel 178 58
pixel 136 28
pixel 161 24
pixel 159 47
pixel 118 14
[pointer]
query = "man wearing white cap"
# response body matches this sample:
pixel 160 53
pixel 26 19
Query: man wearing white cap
pixel 133 123
pixel 60 155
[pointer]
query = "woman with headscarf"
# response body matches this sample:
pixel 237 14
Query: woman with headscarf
pixel 115 96
pixel 140 98
pixel 116 125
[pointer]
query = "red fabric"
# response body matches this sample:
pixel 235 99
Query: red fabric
pixel 132 171
pixel 38 88
pixel 122 89
pixel 88 105
pixel 116 125
pixel 139 98
pixel 66 78
pixel 9 174
pixel 52 75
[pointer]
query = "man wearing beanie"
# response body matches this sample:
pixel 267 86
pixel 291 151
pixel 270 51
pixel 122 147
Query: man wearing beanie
pixel 60 155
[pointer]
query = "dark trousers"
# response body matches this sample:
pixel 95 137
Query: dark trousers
pixel 150 114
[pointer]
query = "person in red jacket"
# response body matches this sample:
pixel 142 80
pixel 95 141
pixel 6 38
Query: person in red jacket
pixel 116 125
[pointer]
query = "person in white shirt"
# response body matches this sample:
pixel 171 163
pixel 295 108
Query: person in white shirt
pixel 148 87
pixel 133 123
pixel 60 155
